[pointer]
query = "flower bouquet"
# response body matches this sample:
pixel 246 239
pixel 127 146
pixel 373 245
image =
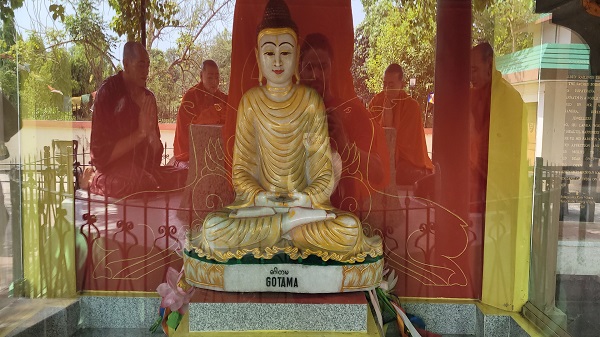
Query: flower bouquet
pixel 176 294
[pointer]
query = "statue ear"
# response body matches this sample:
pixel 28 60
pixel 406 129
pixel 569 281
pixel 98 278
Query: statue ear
pixel 260 75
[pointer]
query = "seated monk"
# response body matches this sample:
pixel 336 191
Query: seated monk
pixel 202 104
pixel 282 168
pixel 125 142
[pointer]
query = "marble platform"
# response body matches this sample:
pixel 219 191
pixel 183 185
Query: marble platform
pixel 214 311
pixel 119 315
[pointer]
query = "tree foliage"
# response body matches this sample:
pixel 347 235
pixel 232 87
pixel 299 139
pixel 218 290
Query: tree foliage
pixel 404 32
pixel 90 41
pixel 93 43
pixel 199 19
pixel 7 9
pixel 400 32
pixel 504 25
pixel 46 81
pixel 169 83
pixel 159 14
pixel 8 35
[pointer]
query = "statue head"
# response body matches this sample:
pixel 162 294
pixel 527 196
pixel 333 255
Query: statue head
pixel 277 49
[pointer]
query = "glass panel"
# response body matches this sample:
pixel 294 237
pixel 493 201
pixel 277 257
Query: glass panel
pixel 11 265
pixel 563 280
pixel 385 180
pixel 110 212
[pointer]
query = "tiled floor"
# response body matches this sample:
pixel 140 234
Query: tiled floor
pixel 114 333
pixel 578 296
pixel 144 332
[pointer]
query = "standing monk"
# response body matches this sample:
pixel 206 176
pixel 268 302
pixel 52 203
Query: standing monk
pixel 125 145
pixel 393 107
pixel 202 104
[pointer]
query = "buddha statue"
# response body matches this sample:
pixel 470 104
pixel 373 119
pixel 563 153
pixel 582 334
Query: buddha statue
pixel 282 170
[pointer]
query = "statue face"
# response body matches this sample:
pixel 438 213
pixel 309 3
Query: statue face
pixel 277 57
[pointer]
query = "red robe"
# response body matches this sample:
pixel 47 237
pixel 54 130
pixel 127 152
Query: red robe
pixel 480 127
pixel 115 117
pixel 197 107
pixel 363 151
pixel 411 148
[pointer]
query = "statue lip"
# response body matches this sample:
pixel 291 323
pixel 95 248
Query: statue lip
pixel 278 71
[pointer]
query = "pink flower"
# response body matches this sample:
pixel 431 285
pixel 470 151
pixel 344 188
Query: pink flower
pixel 172 295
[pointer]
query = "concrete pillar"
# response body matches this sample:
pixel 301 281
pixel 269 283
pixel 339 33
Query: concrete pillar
pixel 451 131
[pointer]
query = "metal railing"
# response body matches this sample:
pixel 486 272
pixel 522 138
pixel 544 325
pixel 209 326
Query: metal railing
pixel 76 242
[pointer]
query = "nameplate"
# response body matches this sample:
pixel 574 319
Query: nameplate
pixel 283 278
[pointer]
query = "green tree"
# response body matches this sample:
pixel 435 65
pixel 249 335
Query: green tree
pixel 362 46
pixel 8 37
pixel 170 83
pixel 7 9
pixel 403 31
pixel 89 32
pixel 161 82
pixel 47 82
pixel 199 24
pixel 159 14
pixel 400 32
pixel 504 25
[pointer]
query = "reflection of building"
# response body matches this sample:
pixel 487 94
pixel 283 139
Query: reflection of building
pixel 555 79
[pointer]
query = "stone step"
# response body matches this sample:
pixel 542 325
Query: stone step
pixel 132 316
pixel 217 311
pixel 23 317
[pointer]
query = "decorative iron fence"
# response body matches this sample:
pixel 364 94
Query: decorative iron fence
pixel 78 242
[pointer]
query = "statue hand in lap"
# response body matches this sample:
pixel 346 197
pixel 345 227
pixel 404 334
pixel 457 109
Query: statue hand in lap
pixel 282 181
pixel 272 199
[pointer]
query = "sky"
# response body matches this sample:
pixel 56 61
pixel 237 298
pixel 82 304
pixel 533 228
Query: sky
pixel 34 15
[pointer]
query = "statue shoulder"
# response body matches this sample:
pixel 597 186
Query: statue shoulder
pixel 306 90
pixel 250 95
pixel 311 96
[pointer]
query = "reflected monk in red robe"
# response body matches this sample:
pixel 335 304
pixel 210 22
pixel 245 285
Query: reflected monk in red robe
pixel 353 135
pixel 125 142
pixel 202 104
pixel 370 170
pixel 393 107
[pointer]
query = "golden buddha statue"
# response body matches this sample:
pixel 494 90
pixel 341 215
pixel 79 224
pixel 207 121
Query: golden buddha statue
pixel 282 169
